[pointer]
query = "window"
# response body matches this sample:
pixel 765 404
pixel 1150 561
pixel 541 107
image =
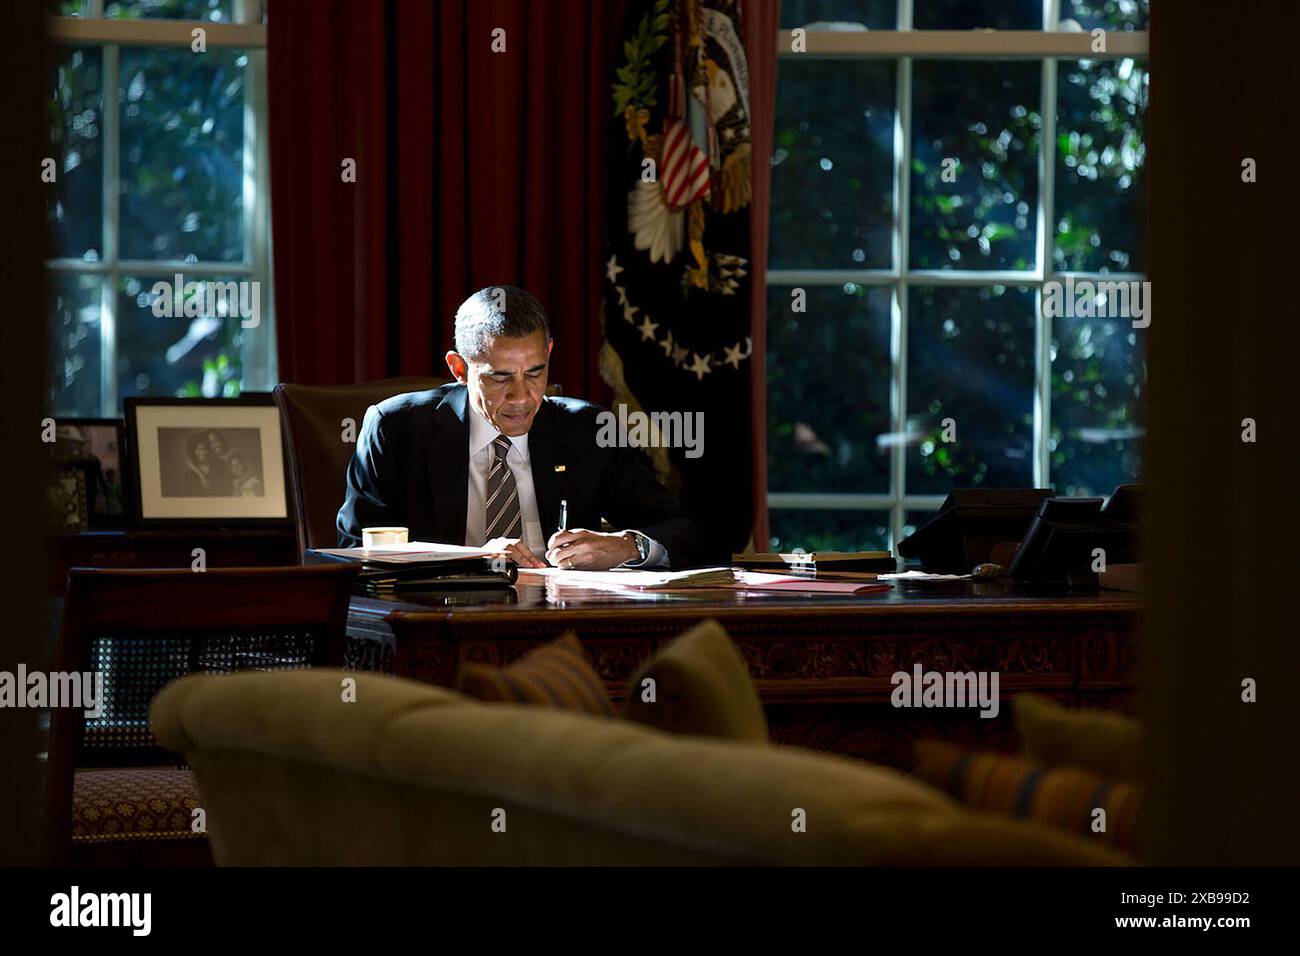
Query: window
pixel 939 190
pixel 158 137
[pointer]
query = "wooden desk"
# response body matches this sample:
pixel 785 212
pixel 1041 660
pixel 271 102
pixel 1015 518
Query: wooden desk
pixel 822 664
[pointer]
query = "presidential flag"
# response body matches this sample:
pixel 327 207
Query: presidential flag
pixel 677 271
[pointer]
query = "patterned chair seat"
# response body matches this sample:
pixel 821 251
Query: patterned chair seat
pixel 135 803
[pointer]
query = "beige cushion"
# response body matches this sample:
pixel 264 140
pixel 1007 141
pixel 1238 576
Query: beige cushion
pixel 1107 744
pixel 701 686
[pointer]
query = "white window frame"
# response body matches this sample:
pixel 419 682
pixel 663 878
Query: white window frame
pixel 247 31
pixel 903 45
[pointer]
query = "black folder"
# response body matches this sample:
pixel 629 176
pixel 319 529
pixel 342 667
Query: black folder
pixel 379 576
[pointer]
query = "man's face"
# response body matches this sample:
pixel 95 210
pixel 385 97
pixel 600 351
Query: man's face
pixel 508 381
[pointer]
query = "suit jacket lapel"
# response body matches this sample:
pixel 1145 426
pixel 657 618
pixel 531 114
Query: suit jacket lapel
pixel 545 451
pixel 446 457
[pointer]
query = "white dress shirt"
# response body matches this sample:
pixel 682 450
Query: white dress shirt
pixel 481 435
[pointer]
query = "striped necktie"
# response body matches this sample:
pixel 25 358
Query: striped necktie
pixel 503 517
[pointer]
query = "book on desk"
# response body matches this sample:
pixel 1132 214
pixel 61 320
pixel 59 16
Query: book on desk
pixel 817 562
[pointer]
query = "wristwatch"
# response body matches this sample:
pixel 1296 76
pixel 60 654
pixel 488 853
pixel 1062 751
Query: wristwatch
pixel 642 546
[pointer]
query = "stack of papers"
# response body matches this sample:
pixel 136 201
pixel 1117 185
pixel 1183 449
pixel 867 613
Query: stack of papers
pixel 630 579
pixel 425 566
pixel 414 552
pixel 758 581
pixel 922 576
pixel 731 579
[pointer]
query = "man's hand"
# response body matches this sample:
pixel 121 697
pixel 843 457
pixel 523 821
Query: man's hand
pixel 516 550
pixel 590 550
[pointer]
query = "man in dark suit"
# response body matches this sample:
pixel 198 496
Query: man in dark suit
pixel 488 460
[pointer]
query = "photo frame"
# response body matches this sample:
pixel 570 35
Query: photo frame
pixel 207 461
pixel 67 500
pixel 98 446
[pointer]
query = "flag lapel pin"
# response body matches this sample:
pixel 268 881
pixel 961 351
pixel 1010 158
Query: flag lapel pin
pixel 559 468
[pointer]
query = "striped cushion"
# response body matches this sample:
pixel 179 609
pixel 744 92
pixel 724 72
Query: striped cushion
pixel 1063 797
pixel 554 675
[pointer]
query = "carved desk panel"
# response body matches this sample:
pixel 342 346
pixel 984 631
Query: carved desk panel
pixel 822 666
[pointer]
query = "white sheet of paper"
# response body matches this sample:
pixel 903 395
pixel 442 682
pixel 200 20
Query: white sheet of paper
pixel 921 576
pixel 623 578
pixel 413 552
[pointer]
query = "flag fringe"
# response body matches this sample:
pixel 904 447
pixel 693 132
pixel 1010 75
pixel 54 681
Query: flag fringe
pixel 610 364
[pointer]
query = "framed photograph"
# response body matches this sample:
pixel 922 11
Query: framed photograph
pixel 67 498
pixel 211 461
pixel 98 446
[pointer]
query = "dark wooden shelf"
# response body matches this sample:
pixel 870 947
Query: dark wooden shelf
pixel 170 548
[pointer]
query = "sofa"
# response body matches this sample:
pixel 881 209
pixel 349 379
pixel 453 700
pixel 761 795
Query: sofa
pixel 327 767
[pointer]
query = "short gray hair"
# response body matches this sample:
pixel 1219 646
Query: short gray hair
pixel 495 312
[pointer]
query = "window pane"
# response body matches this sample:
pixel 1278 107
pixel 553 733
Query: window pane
pixel 874 14
pixel 68 8
pixel 978 14
pixel 215 10
pixel 832 164
pixel 182 154
pixel 970 358
pixel 840 529
pixel 74 353
pixel 1098 404
pixel 176 356
pixel 74 203
pixel 1100 154
pixel 1106 14
pixel 985 116
pixel 828 390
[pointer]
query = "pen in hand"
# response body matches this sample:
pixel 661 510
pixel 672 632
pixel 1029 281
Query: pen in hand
pixel 553 550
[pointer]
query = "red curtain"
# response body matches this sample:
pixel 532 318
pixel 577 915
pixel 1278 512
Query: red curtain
pixel 762 22
pixel 474 167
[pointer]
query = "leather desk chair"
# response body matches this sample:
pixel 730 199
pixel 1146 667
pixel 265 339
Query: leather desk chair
pixel 312 419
